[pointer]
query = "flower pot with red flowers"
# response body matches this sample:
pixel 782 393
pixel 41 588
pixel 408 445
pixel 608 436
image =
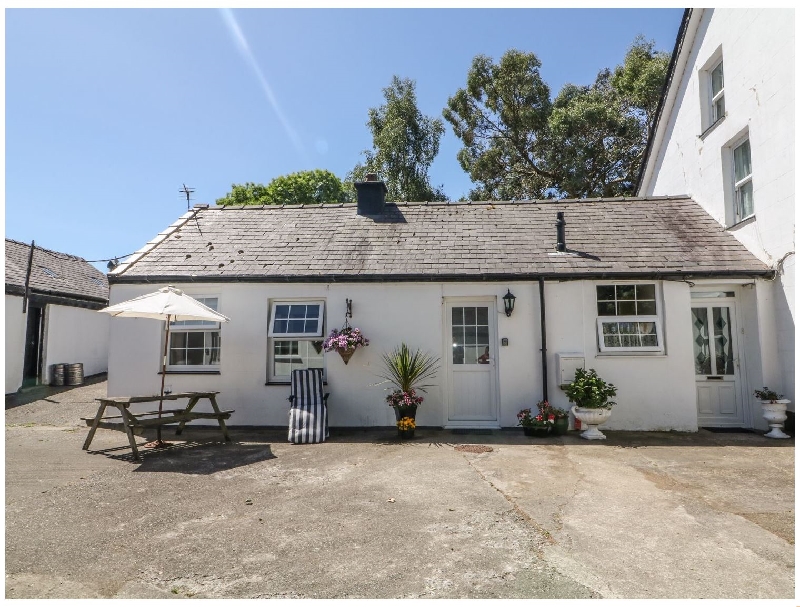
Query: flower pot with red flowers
pixel 539 424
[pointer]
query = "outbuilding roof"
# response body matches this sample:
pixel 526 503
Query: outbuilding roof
pixel 53 273
pixel 442 241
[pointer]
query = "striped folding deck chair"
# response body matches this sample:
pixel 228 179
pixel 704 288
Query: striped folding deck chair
pixel 308 409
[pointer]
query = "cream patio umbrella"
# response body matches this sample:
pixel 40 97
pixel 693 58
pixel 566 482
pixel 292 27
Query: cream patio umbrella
pixel 168 304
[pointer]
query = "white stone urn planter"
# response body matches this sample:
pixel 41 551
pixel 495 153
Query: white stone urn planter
pixel 774 412
pixel 591 418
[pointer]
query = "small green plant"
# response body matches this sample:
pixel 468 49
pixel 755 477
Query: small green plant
pixel 590 391
pixel 767 394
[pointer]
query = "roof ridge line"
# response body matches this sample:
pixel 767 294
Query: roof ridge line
pixel 154 242
pixel 46 250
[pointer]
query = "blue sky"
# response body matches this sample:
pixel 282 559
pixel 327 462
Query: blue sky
pixel 109 111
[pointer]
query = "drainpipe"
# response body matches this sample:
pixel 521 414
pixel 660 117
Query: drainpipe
pixel 28 279
pixel 544 339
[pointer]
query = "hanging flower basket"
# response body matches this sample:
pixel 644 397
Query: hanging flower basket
pixel 345 341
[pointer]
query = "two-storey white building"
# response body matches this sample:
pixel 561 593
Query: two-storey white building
pixel 725 136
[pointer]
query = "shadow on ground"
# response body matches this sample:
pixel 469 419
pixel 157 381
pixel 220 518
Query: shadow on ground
pixel 25 396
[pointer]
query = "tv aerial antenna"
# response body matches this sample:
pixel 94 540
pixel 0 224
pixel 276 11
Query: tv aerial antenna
pixel 188 192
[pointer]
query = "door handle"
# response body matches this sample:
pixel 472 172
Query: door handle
pixel 716 377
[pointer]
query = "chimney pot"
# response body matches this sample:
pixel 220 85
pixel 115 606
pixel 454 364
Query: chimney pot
pixel 372 177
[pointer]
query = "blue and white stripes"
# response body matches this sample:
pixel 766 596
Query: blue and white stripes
pixel 308 415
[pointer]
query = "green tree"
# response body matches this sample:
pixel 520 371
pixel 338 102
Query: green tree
pixel 404 145
pixel 308 187
pixel 587 142
pixel 501 117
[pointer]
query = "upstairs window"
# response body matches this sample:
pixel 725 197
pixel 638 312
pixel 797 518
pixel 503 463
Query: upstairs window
pixel 627 318
pixel 195 345
pixel 717 93
pixel 295 338
pixel 742 182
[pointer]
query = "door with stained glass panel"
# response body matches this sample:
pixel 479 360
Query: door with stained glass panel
pixel 716 362
pixel 471 365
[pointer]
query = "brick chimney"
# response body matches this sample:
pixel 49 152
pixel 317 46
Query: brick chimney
pixel 371 195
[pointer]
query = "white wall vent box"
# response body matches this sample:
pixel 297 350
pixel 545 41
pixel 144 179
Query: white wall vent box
pixel 566 364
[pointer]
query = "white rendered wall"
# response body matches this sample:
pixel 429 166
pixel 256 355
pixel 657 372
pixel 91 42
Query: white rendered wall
pixel 16 323
pixel 75 335
pixel 655 392
pixel 757 47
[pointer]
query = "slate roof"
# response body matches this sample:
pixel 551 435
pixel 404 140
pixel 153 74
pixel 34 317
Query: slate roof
pixel 73 276
pixel 455 241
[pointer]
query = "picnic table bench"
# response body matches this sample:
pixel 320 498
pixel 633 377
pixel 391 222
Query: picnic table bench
pixel 145 419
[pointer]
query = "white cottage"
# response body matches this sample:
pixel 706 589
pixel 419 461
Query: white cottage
pixel 50 302
pixel 725 136
pixel 616 294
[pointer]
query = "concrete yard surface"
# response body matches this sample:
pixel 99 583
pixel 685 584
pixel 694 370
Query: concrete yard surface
pixel 445 515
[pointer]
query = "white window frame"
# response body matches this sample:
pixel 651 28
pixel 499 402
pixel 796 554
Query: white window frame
pixel 272 337
pixel 656 318
pixel 320 317
pixel 737 185
pixel 192 326
pixel 712 97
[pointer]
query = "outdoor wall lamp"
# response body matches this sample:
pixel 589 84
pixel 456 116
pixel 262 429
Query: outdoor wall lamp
pixel 508 302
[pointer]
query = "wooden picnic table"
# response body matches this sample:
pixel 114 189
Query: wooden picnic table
pixel 151 418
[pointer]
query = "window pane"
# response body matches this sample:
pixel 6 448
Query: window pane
pixel 194 356
pixel 717 80
pixel 470 355
pixel 645 291
pixel 195 339
pixel 605 292
pixel 281 326
pixel 458 316
pixel 483 316
pixel 744 193
pixel 626 308
pixel 611 341
pixel 646 308
pixel 296 311
pixel 650 340
pixel 647 328
pixel 470 336
pixel 296 326
pixel 610 328
pixel 626 291
pixel 458 355
pixel 211 302
pixel 702 353
pixel 723 340
pixel 741 161
pixel 606 308
pixel 177 340
pixel 458 336
pixel 627 328
pixel 289 355
pixel 312 311
pixel 483 336
pixel 177 357
pixel 469 316
pixel 719 108
pixel 629 341
pixel 281 311
pixel 311 326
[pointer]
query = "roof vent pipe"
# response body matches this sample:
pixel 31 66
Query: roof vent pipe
pixel 561 239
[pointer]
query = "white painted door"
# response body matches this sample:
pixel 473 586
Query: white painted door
pixel 471 365
pixel 716 364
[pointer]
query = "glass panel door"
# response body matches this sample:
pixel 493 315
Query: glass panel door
pixel 712 343
pixel 470 326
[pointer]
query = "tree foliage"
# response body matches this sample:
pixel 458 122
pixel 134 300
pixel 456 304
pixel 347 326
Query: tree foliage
pixel 404 145
pixel 588 141
pixel 295 188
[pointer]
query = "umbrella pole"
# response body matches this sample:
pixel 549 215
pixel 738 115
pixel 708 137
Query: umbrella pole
pixel 163 377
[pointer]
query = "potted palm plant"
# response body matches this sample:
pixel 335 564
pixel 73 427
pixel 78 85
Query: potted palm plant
pixel 592 397
pixel 406 370
pixel 773 408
